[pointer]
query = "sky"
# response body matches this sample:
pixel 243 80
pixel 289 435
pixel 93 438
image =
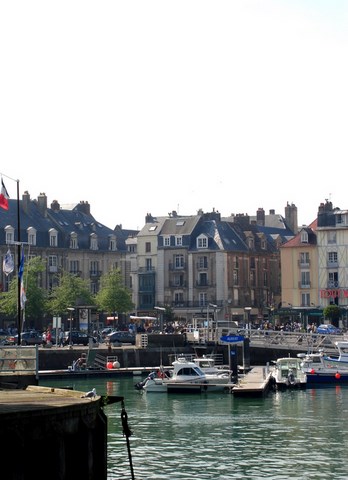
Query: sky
pixel 143 107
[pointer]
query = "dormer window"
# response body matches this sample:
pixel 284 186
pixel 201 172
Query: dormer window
pixel 166 241
pixel 31 235
pixel 73 241
pixel 178 241
pixel 53 237
pixel 304 236
pixel 112 243
pixel 202 241
pixel 94 241
pixel 9 233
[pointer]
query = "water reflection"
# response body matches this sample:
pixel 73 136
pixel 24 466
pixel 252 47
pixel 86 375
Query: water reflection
pixel 293 434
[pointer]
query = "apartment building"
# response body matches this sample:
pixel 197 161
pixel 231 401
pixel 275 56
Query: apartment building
pixel 68 238
pixel 202 265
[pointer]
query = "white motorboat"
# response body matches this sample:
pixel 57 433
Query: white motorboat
pixel 186 376
pixel 322 368
pixel 288 373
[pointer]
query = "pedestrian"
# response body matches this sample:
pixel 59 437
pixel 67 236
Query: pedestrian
pixel 61 338
pixel 48 338
pixel 44 339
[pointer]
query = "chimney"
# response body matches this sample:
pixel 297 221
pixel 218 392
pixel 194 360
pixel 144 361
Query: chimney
pixel 291 217
pixel 25 202
pixel 55 206
pixel 42 204
pixel 260 217
pixel 84 207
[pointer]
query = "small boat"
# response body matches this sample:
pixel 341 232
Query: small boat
pixel 209 367
pixel 186 376
pixel 326 369
pixel 288 373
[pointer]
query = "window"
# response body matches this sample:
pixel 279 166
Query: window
pixel 304 258
pixel 305 279
pixel 112 243
pixel 31 236
pixel 333 280
pixel 203 280
pixel 202 242
pixel 9 233
pixel 74 267
pixel 94 267
pixel 304 236
pixel 332 258
pixel 148 247
pixel 179 261
pixel 94 241
pixel 166 241
pixel 203 299
pixel 73 240
pixel 53 263
pixel 53 237
pixel 148 262
pixel 331 237
pixel 179 298
pixel 203 262
pixel 178 280
pixel 178 241
pixel 235 277
pixel 305 300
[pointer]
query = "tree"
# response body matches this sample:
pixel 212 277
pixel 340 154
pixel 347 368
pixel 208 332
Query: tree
pixel 113 295
pixel 36 297
pixel 332 312
pixel 70 291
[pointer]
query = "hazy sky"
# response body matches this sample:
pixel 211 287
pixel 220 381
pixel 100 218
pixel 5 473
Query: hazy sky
pixel 154 106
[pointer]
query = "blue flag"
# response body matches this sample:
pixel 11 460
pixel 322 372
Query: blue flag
pixel 21 266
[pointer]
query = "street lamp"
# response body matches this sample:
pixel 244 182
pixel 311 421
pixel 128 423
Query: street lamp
pixel 247 310
pixel 209 323
pixel 161 310
pixel 70 309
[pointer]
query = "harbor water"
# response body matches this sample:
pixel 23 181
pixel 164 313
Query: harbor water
pixel 297 434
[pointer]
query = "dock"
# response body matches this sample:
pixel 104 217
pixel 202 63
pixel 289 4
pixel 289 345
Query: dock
pixel 255 383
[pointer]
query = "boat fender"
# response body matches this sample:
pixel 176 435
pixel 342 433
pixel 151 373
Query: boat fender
pixel 337 376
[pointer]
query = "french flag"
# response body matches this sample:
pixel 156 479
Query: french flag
pixel 4 196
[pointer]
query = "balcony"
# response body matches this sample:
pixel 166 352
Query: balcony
pixel 95 273
pixel 304 285
pixel 174 266
pixel 303 264
pixel 333 284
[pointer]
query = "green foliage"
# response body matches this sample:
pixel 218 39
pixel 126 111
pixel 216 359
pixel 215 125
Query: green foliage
pixel 332 312
pixel 36 304
pixel 113 296
pixel 71 291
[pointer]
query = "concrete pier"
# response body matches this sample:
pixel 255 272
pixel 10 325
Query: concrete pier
pixel 52 433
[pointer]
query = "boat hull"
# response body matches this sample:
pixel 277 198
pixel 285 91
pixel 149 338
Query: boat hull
pixel 334 378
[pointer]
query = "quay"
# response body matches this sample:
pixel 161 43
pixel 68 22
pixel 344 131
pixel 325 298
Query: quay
pixel 256 382
pixel 52 433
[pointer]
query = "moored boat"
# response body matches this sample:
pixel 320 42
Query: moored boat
pixel 287 373
pixel 326 369
pixel 186 376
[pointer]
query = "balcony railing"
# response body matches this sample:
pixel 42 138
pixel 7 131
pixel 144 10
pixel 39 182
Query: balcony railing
pixel 333 284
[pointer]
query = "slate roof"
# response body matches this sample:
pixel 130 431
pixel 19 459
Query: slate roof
pixel 65 221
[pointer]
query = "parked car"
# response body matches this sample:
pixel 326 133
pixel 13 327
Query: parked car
pixel 27 338
pixel 327 328
pixel 78 338
pixel 120 337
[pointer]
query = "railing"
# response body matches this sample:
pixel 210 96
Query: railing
pixel 19 360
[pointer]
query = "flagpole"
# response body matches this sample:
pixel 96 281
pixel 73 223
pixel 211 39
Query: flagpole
pixel 19 310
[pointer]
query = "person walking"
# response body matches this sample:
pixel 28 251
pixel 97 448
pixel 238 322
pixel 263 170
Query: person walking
pixel 61 338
